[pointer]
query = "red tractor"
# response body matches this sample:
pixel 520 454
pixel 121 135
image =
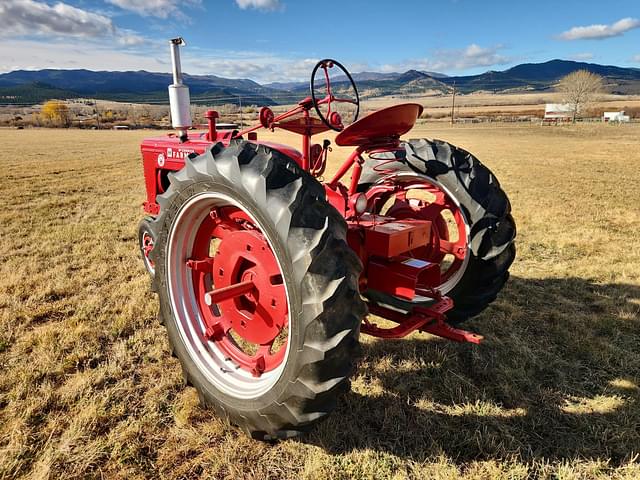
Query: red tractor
pixel 266 275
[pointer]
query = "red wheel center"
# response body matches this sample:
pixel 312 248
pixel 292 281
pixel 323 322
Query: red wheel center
pixel 250 276
pixel 240 290
pixel 259 315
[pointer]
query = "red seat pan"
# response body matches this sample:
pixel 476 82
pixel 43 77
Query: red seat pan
pixel 388 123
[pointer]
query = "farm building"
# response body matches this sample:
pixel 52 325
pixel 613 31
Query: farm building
pixel 615 117
pixel 558 112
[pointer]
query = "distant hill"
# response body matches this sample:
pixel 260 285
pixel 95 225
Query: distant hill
pixel 88 81
pixel 372 84
pixel 357 77
pixel 542 76
pixel 129 86
pixel 28 87
pixel 34 92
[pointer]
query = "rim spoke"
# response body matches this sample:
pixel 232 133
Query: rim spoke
pixel 441 198
pixel 457 249
pixel 215 331
pixel 204 265
pixel 260 360
pixel 431 211
pixel 265 350
pixel 226 220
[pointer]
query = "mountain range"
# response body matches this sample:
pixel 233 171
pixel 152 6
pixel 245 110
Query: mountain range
pixel 541 76
pixel 34 86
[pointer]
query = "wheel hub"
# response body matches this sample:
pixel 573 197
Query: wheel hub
pixel 259 315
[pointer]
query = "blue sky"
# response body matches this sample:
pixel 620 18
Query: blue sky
pixel 272 40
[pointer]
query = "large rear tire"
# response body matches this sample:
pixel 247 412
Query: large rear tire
pixel 281 211
pixel 484 207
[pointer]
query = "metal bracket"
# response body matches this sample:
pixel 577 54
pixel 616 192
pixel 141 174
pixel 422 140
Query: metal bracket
pixel 429 319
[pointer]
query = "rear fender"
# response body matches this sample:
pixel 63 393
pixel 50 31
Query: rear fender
pixel 285 149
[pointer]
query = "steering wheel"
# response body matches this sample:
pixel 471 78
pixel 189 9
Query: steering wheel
pixel 332 118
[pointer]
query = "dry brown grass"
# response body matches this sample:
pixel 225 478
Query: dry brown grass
pixel 88 387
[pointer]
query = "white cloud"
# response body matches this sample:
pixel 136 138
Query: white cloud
pixel 473 56
pixel 260 66
pixel 582 56
pixel 29 17
pixel 157 8
pixel 95 55
pixel 636 58
pixel 176 8
pixel 35 55
pixel 267 67
pixel 128 38
pixel 259 4
pixel 601 31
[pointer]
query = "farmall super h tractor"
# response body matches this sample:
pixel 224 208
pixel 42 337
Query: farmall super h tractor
pixel 266 275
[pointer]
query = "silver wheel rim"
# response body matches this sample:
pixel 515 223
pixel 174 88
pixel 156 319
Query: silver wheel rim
pixel 222 372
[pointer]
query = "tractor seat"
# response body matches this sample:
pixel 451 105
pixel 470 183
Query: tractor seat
pixel 383 126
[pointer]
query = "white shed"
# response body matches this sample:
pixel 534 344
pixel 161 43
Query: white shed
pixel 615 117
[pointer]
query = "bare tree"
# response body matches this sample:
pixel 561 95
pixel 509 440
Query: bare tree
pixel 579 88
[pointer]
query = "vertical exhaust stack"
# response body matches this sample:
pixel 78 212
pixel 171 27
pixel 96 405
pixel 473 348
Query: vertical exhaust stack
pixel 179 100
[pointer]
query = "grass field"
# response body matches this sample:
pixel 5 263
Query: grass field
pixel 88 388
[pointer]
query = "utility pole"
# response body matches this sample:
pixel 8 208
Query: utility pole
pixel 241 120
pixel 133 114
pixel 95 104
pixel 453 104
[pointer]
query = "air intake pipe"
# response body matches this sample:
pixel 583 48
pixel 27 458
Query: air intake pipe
pixel 179 100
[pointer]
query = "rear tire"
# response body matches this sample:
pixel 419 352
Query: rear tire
pixel 484 205
pixel 320 273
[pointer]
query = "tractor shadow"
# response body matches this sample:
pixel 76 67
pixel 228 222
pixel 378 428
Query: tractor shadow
pixel 557 378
